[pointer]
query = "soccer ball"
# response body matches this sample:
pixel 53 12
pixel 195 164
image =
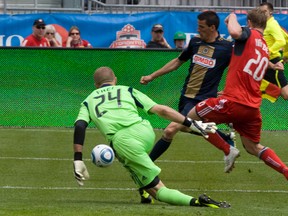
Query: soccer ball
pixel 102 155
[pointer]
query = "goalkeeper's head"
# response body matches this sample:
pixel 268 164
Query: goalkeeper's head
pixel 104 75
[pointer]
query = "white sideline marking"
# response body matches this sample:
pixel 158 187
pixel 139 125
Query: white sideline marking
pixel 160 161
pixel 134 189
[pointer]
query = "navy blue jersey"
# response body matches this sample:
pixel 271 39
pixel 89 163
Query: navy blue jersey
pixel 208 62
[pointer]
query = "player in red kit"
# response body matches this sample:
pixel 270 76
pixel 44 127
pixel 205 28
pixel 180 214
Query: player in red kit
pixel 241 99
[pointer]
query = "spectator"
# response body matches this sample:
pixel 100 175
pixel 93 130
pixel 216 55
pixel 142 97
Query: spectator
pixel 36 39
pixel 74 39
pixel 158 40
pixel 50 36
pixel 179 40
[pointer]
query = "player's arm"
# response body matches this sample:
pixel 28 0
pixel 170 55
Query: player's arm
pixel 172 115
pixel 83 119
pixel 79 136
pixel 170 66
pixel 149 106
pixel 80 170
pixel 285 53
pixel 233 26
pixel 285 48
pixel 278 66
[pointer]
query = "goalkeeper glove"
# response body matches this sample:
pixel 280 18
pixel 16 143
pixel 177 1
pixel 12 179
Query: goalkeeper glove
pixel 80 172
pixel 203 128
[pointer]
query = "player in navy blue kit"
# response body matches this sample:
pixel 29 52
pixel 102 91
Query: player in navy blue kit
pixel 209 55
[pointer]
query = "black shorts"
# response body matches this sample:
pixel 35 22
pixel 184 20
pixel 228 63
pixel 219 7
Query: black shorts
pixel 276 77
pixel 186 104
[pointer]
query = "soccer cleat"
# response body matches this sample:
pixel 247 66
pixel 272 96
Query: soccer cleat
pixel 206 201
pixel 231 135
pixel 195 202
pixel 146 198
pixel 230 138
pixel 230 159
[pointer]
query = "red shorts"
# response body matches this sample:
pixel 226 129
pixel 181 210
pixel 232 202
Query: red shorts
pixel 246 120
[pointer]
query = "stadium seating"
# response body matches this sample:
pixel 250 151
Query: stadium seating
pixel 131 6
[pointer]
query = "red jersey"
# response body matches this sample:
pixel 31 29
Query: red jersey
pixel 82 43
pixel 32 41
pixel 247 67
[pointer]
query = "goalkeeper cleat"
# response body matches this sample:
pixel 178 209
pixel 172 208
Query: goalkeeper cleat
pixel 146 198
pixel 206 201
pixel 230 159
pixel 195 202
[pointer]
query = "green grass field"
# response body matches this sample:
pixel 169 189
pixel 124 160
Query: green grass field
pixel 37 178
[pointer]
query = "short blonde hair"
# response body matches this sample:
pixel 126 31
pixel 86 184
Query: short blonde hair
pixel 50 28
pixel 103 75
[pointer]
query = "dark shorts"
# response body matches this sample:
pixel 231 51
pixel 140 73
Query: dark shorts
pixel 246 120
pixel 186 104
pixel 276 77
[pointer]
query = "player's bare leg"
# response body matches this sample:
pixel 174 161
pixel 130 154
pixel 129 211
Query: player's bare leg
pixel 230 152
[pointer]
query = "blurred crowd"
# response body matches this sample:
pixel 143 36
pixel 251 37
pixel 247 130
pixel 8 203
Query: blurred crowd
pixel 46 36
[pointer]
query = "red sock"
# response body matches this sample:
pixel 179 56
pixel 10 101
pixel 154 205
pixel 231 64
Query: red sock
pixel 271 159
pixel 285 173
pixel 216 140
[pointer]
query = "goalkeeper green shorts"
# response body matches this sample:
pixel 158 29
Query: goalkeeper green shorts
pixel 132 145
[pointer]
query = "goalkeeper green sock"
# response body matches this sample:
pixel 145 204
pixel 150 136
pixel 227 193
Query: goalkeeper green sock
pixel 173 197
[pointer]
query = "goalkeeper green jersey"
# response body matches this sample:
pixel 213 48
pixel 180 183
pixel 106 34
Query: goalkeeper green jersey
pixel 113 108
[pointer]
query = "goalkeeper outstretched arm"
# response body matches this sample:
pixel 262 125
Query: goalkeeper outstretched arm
pixel 172 115
pixel 80 170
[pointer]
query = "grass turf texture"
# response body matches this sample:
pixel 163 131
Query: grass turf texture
pixel 37 177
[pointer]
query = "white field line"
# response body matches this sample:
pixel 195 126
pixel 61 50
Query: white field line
pixel 130 189
pixel 160 161
pixel 134 189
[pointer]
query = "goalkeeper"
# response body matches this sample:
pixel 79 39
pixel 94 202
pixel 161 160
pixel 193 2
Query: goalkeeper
pixel 113 109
